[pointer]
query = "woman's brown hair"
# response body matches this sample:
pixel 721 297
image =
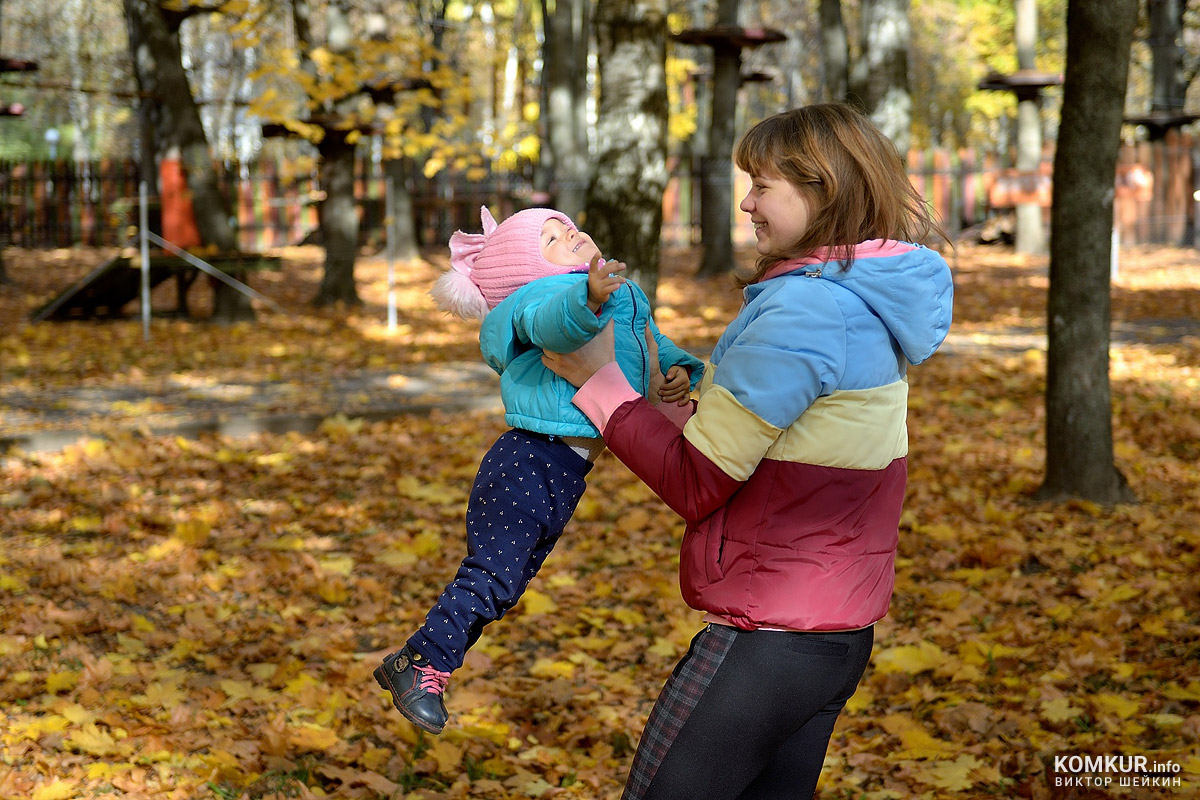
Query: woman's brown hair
pixel 850 173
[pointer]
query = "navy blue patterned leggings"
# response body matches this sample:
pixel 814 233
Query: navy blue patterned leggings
pixel 524 494
pixel 747 715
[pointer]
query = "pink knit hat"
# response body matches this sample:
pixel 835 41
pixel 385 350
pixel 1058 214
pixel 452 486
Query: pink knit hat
pixel 486 268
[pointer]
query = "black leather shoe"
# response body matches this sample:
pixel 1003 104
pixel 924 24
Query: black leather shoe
pixel 416 688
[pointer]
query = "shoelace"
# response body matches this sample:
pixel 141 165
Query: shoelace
pixel 432 680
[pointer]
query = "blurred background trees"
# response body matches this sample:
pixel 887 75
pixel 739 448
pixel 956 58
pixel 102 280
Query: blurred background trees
pixel 593 107
pixel 508 51
pixel 458 92
pixel 509 83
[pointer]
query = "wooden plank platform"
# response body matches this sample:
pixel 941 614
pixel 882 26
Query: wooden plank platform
pixel 103 292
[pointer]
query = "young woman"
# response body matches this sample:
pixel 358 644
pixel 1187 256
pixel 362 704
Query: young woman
pixel 791 473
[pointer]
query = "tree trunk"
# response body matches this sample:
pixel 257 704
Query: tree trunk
pixel 882 71
pixel 1031 229
pixel 544 168
pixel 4 279
pixel 79 103
pixel 436 33
pixel 338 220
pixel 1079 442
pixel 405 244
pixel 835 53
pixel 160 74
pixel 1166 28
pixel 581 34
pixel 158 67
pixel 716 167
pixel 513 96
pixel 625 198
pixel 565 51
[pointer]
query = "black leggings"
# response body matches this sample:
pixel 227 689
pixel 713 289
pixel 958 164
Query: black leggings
pixel 747 715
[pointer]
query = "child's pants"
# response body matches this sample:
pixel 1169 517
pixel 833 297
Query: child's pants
pixel 524 494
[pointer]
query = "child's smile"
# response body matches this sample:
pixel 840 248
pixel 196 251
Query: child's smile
pixel 565 246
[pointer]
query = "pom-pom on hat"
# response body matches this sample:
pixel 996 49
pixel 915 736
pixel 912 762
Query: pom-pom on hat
pixel 486 268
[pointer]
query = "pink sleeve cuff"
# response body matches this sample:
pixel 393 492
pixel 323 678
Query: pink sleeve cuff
pixel 604 393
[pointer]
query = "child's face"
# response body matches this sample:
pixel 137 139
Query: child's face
pixel 565 246
pixel 779 213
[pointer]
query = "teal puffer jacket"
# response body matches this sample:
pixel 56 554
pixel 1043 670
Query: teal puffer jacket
pixel 551 313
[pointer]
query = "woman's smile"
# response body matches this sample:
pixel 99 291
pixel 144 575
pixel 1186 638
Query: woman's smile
pixel 778 212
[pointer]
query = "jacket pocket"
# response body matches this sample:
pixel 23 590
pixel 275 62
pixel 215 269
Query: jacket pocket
pixel 816 644
pixel 714 543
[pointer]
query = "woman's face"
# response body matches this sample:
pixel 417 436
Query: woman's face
pixel 565 246
pixel 778 211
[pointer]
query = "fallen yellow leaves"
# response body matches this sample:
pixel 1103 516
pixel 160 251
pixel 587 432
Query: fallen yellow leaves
pixel 309 736
pixel 912 659
pixel 915 742
pixel 353 777
pixel 92 740
pixel 200 618
pixel 243 627
pixel 57 790
pixel 535 602
pixel 960 774
pixel 1060 710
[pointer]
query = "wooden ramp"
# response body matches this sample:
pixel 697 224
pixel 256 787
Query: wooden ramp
pixel 103 292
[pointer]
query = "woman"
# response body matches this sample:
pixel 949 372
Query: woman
pixel 791 472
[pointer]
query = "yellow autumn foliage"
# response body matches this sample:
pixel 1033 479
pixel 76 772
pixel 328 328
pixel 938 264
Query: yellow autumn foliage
pixel 186 613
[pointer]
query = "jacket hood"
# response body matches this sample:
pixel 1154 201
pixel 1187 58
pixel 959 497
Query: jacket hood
pixel 908 286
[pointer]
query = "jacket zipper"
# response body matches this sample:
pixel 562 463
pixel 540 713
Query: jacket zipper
pixel 641 340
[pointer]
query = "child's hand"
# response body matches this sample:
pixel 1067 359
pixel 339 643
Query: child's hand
pixel 603 280
pixel 677 386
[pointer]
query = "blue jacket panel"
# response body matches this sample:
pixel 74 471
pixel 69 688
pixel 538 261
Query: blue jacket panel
pixel 821 327
pixel 551 313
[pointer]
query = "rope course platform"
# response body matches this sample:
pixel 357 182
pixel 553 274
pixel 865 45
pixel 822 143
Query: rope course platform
pixel 104 292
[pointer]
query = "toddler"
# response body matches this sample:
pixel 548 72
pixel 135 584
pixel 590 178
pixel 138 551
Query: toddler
pixel 538 283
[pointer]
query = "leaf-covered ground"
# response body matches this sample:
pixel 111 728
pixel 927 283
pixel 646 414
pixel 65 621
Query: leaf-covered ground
pixel 199 618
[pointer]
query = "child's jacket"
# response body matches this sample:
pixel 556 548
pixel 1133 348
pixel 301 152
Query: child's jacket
pixel 791 474
pixel 551 313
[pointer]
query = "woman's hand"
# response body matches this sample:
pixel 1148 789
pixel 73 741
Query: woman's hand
pixel 656 380
pixel 585 362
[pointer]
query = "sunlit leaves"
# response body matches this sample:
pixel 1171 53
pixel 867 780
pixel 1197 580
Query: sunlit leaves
pixel 1060 710
pixel 956 775
pixel 184 612
pixel 682 116
pixel 911 659
pixel 56 790
pixel 94 741
pixel 310 87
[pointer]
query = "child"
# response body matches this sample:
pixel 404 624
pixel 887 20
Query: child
pixel 538 283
